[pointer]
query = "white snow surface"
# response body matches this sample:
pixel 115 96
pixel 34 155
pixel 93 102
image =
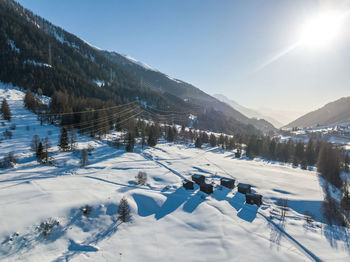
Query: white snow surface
pixel 169 223
pixel 144 65
pixel 99 83
pixel 37 63
pixel 13 46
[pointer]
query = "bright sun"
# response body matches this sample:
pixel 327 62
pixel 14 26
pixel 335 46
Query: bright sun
pixel 321 30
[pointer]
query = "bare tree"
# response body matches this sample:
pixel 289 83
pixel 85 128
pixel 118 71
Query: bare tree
pixel 141 178
pixel 83 158
pixel 283 205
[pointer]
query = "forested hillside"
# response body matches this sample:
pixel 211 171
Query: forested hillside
pixel 39 56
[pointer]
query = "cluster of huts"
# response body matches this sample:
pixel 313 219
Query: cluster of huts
pixel 251 198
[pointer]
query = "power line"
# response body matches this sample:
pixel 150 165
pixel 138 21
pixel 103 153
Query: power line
pixel 88 111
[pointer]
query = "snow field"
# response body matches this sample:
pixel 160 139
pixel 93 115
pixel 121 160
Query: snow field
pixel 169 223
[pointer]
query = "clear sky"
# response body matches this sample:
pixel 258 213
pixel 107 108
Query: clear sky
pixel 220 46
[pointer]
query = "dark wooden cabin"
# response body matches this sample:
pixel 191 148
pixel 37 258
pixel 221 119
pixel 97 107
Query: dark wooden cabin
pixel 206 188
pixel 244 188
pixel 227 182
pixel 187 184
pixel 253 199
pixel 198 179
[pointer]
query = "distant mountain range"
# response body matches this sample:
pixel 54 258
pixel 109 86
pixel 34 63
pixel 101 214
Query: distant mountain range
pixel 251 113
pixel 335 112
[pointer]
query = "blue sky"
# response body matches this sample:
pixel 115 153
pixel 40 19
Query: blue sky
pixel 218 46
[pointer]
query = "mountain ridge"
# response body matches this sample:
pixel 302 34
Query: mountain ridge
pixel 335 112
pixel 251 113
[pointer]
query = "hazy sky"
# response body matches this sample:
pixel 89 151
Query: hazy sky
pixel 218 46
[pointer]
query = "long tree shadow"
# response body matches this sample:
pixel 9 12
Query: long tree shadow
pixel 276 232
pixel 334 233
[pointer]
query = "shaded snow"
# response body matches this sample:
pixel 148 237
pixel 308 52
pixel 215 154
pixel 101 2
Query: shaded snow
pixel 13 46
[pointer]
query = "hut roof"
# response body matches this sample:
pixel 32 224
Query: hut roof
pixel 226 179
pixel 206 185
pixel 242 185
pixel 253 195
pixel 197 176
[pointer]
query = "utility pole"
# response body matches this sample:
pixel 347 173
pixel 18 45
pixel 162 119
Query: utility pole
pixel 111 75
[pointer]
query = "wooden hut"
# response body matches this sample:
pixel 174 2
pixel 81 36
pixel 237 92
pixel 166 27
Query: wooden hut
pixel 244 188
pixel 206 188
pixel 187 184
pixel 227 182
pixel 253 199
pixel 198 179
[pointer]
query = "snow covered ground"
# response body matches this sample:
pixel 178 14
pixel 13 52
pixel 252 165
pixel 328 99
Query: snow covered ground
pixel 169 223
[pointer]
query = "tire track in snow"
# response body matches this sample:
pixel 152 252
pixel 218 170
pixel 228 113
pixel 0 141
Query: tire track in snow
pixel 150 158
pixel 306 251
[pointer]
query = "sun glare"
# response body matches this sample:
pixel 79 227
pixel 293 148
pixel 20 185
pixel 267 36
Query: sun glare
pixel 321 30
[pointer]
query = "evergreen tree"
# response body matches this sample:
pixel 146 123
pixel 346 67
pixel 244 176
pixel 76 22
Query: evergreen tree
pixel 198 142
pixel 346 162
pixel 130 142
pixel 231 144
pixel 310 153
pixel 35 143
pixel 272 149
pixel 303 164
pixel 124 212
pixel 170 134
pixel 212 140
pixel 328 164
pixel 143 138
pixel 152 136
pixel 176 133
pixel 345 201
pixel 251 150
pixel 63 142
pixel 299 153
pixel 5 110
pixel 40 152
pixel 204 137
pixel 30 101
pixel 238 153
pixel 47 145
pixel 221 140
pixel 73 139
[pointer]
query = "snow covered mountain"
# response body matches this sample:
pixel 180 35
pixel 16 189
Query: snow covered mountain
pixel 151 78
pixel 247 111
pixel 332 113
pixel 168 223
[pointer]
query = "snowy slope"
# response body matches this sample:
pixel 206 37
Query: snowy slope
pixel 169 223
